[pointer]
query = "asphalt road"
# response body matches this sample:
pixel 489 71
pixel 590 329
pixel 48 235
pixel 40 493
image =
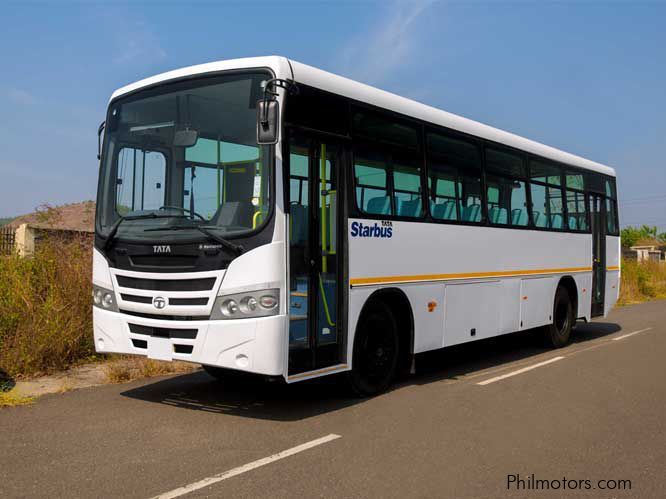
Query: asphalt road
pixel 467 420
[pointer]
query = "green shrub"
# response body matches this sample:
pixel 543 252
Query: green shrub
pixel 45 307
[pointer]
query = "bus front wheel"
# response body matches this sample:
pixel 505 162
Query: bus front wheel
pixel 558 333
pixel 376 350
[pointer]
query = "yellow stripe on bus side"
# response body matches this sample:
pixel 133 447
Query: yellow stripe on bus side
pixel 364 281
pixel 613 268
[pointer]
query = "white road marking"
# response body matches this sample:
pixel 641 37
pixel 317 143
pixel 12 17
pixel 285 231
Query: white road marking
pixel 519 371
pixel 181 491
pixel 631 334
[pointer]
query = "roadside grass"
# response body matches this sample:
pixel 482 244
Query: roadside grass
pixel 45 307
pixel 11 398
pixel 124 369
pixel 642 281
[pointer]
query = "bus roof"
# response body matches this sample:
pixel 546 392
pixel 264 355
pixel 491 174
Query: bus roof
pixel 308 75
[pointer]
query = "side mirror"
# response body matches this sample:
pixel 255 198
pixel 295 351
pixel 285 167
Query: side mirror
pixel 268 121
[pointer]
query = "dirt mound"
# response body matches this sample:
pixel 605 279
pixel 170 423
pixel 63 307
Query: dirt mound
pixel 74 216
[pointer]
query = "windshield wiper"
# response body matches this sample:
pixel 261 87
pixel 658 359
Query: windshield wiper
pixel 114 228
pixel 204 229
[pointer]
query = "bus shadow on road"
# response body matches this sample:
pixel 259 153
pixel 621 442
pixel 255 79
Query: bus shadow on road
pixel 470 358
pixel 255 398
pixel 251 397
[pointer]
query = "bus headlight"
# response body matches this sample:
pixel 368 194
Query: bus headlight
pixel 262 303
pixel 103 298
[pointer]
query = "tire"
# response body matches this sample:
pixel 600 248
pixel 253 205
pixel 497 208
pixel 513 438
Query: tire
pixel 558 334
pixel 376 351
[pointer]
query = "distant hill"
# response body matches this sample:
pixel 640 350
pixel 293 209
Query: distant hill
pixel 5 221
pixel 74 216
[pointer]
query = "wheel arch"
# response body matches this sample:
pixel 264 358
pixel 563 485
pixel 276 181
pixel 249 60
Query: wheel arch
pixel 569 283
pixel 399 304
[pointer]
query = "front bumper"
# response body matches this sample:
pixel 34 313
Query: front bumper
pixel 252 345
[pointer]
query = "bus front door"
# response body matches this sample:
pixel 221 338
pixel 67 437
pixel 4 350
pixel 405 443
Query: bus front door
pixel 316 334
pixel 598 225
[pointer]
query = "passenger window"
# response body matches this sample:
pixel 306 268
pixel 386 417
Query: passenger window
pixel 506 194
pixel 546 173
pixel 407 191
pixel 576 211
pixel 443 197
pixel 507 201
pixel 609 188
pixel 377 127
pixel 141 175
pixel 454 163
pixel 575 181
pixel 371 187
pixel 547 207
pixel 611 217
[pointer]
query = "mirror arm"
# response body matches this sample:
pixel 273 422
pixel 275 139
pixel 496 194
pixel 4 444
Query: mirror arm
pixel 276 83
pixel 99 139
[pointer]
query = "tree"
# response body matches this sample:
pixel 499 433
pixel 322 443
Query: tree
pixel 630 236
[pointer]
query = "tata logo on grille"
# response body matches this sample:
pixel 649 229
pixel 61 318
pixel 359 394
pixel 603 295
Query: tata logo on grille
pixel 159 302
pixel 162 249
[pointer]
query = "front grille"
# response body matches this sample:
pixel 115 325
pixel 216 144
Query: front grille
pixel 172 301
pixel 137 299
pixel 188 301
pixel 205 284
pixel 165 317
pixel 162 332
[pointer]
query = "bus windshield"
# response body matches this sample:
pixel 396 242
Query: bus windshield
pixel 187 153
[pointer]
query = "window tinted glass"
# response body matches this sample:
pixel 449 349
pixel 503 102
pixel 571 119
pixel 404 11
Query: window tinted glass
pixel 575 181
pixel 319 110
pixel 451 151
pixel 454 172
pixel 505 163
pixel 376 127
pixel 372 186
pixel 611 217
pixel 540 171
pixel 443 196
pixel 609 188
pixel 547 206
pixel 407 191
pixel 576 211
pixel 507 201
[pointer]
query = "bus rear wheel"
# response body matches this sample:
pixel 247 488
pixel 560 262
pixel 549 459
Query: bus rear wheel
pixel 376 351
pixel 558 333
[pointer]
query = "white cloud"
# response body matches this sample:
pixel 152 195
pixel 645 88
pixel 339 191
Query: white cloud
pixel 374 55
pixel 21 96
pixel 138 41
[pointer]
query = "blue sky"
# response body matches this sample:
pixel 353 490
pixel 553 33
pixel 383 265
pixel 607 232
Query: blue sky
pixel 589 78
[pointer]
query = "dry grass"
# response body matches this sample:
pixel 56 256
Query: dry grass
pixel 13 399
pixel 124 369
pixel 45 307
pixel 642 281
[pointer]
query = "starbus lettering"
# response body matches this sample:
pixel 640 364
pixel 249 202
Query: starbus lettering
pixel 374 230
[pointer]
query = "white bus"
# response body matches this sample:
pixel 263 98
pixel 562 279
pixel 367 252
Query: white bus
pixel 261 215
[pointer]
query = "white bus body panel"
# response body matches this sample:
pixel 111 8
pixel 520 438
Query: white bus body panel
pixel 490 280
pixel 612 291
